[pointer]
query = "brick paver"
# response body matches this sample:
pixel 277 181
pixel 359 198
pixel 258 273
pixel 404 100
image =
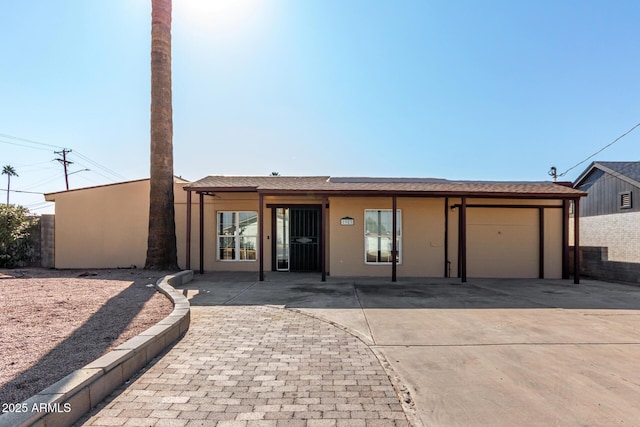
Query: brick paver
pixel 258 366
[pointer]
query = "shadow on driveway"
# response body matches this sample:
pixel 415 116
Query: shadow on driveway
pixel 293 290
pixel 486 352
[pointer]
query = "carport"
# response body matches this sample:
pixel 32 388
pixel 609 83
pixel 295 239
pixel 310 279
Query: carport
pixel 547 206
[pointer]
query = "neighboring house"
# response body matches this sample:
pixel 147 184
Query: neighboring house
pixel 611 213
pixel 338 226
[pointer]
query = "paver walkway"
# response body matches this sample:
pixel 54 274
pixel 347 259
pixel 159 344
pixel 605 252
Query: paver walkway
pixel 258 366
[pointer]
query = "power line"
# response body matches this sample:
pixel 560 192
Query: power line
pixel 21 191
pixel 43 182
pixel 76 153
pixel 30 141
pixel 601 150
pixel 24 145
pixel 36 166
pixel 98 165
pixel 38 205
pixel 96 172
pixel 41 207
pixel 32 170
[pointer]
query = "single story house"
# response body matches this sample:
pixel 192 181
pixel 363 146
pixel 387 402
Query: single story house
pixel 338 226
pixel 380 226
pixel 611 213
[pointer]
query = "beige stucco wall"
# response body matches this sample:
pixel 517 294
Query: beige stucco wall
pixel 553 243
pixel 422 242
pixel 501 242
pixel 213 204
pixel 347 243
pixel 106 227
pixel 102 227
pixel 230 202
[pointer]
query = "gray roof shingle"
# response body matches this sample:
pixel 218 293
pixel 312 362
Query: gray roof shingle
pixel 628 169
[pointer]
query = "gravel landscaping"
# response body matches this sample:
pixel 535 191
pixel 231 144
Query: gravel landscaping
pixel 53 322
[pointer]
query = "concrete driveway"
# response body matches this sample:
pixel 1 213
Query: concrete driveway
pixel 488 352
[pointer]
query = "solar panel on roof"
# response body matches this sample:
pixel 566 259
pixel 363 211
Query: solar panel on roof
pixel 371 180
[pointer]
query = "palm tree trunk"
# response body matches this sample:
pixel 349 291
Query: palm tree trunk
pixel 161 246
pixel 8 187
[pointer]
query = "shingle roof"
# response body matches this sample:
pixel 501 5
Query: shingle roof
pixel 365 185
pixel 626 171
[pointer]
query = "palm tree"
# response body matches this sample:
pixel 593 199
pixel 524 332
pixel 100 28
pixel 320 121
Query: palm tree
pixel 9 171
pixel 161 243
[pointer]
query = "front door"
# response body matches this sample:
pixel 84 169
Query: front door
pixel 297 238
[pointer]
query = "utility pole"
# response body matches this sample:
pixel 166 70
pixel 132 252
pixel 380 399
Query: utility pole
pixel 65 163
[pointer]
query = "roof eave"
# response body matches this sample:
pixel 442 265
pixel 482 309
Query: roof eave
pixel 133 181
pixel 584 174
pixel 390 193
pixel 596 165
pixel 221 189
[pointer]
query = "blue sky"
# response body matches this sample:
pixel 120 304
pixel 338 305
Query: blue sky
pixel 479 90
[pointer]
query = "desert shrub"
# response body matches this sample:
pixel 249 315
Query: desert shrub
pixel 18 236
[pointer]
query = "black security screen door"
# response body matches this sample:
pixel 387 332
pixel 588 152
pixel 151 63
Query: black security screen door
pixel 304 237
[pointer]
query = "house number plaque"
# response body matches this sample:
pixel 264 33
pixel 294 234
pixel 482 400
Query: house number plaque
pixel 347 220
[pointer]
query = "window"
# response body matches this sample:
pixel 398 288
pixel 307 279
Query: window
pixel 625 200
pixel 378 235
pixel 237 236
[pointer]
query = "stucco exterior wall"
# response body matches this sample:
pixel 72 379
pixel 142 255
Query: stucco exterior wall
pixel 230 202
pixel 107 227
pixel 553 243
pixel 620 233
pixel 422 240
pixel 347 243
pixel 180 205
pixel 103 227
pixel 501 242
pixel 213 204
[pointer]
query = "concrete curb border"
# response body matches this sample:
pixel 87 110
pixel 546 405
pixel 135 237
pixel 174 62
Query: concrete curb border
pixel 66 401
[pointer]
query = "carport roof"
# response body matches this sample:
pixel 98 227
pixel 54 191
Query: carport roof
pixel 382 186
